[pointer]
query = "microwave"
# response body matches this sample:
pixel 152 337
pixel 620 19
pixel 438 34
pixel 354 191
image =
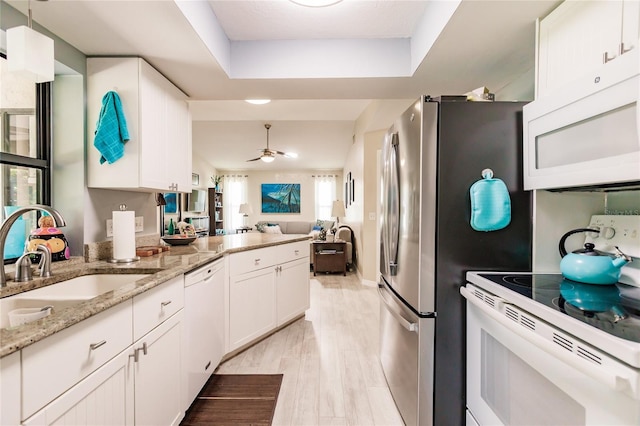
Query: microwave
pixel 586 134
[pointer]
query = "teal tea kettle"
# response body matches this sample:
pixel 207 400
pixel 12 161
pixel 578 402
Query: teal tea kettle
pixel 591 266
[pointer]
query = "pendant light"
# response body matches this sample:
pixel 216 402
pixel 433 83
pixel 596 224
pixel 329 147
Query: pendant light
pixel 30 53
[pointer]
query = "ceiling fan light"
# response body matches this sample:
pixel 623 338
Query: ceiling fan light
pixel 267 158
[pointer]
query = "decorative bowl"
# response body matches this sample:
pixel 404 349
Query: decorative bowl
pixel 178 240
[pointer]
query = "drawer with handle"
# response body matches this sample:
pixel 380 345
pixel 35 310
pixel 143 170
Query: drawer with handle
pixel 293 251
pixel 53 365
pixel 252 260
pixel 153 307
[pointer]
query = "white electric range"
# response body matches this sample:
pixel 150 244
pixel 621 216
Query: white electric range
pixel 545 350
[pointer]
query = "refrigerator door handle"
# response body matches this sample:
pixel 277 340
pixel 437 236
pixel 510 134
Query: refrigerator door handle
pixel 408 325
pixel 394 207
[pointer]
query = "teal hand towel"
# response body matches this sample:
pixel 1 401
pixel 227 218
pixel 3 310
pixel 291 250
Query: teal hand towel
pixel 490 203
pixel 111 131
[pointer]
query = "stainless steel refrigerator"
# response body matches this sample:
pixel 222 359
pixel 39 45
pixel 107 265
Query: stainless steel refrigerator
pixel 432 155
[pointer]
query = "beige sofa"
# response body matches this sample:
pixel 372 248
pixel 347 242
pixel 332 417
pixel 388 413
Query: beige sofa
pixel 301 227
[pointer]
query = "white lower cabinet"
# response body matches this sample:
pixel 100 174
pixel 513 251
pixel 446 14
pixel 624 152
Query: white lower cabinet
pixel 158 375
pixel 94 373
pixel 252 306
pixel 267 288
pixel 10 389
pixel 105 397
pixel 292 290
pixel 57 363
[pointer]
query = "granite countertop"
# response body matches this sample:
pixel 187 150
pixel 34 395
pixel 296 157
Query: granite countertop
pixel 162 267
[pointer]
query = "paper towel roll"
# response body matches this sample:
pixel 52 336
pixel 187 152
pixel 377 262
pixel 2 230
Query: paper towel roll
pixel 124 235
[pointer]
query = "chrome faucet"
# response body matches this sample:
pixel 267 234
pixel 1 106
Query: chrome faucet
pixel 58 221
pixel 23 264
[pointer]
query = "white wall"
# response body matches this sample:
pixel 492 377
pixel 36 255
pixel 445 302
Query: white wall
pixel 362 156
pixel 307 192
pixel 555 213
pixel 68 157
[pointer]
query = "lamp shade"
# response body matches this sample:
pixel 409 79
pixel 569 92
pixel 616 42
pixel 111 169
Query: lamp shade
pixel 245 209
pixel 337 209
pixel 30 53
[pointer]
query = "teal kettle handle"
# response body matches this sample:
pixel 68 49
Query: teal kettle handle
pixel 563 250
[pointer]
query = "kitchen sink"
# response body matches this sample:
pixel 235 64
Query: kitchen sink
pixel 65 293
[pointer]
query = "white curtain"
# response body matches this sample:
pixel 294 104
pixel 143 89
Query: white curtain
pixel 325 192
pixel 234 193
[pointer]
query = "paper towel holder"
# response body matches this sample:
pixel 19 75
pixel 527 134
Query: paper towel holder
pixel 123 207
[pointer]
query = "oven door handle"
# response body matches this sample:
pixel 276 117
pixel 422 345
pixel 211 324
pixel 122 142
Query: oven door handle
pixel 609 378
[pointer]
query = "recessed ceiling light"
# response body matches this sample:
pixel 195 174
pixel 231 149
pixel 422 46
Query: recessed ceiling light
pixel 315 3
pixel 258 101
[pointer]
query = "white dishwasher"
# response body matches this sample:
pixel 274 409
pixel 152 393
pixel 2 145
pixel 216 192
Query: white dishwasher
pixel 203 325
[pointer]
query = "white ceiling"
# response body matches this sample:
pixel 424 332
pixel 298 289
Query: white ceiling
pixel 322 67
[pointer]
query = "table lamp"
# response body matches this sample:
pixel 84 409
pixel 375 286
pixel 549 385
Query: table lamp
pixel 245 210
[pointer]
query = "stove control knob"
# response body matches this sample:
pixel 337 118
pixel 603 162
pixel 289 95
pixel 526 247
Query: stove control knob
pixel 607 233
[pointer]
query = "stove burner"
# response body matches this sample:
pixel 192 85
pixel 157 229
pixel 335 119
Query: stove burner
pixel 521 280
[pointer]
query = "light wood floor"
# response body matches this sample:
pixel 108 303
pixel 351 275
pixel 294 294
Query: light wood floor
pixel 332 373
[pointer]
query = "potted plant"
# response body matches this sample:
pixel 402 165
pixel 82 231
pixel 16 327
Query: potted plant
pixel 216 181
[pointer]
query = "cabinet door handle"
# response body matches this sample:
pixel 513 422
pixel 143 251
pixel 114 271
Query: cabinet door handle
pixel 296 252
pixel 256 262
pixel 624 50
pixel 135 355
pixel 95 346
pixel 606 57
pixel 163 304
pixel 144 348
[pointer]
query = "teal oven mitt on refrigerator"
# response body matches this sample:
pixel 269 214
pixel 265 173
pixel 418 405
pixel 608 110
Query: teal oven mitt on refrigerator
pixel 490 203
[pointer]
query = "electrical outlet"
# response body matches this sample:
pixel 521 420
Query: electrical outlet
pixel 109 227
pixel 139 223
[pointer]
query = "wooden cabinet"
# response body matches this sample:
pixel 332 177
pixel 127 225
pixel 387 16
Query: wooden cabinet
pixel 158 155
pixel 581 36
pixel 330 257
pixel 216 213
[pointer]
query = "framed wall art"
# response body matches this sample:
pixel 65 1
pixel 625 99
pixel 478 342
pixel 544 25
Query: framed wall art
pixel 280 197
pixel 171 198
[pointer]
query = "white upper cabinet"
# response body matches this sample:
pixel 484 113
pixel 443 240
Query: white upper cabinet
pixel 580 36
pixel 158 155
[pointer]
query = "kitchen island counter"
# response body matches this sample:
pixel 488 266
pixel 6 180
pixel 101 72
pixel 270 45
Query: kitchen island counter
pixel 161 267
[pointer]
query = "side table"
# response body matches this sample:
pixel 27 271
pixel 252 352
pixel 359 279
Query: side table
pixel 329 256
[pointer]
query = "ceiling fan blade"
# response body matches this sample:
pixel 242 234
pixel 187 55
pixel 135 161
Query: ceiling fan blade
pixel 254 159
pixel 287 154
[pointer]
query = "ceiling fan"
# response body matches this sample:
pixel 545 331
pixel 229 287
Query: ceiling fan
pixel 268 155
